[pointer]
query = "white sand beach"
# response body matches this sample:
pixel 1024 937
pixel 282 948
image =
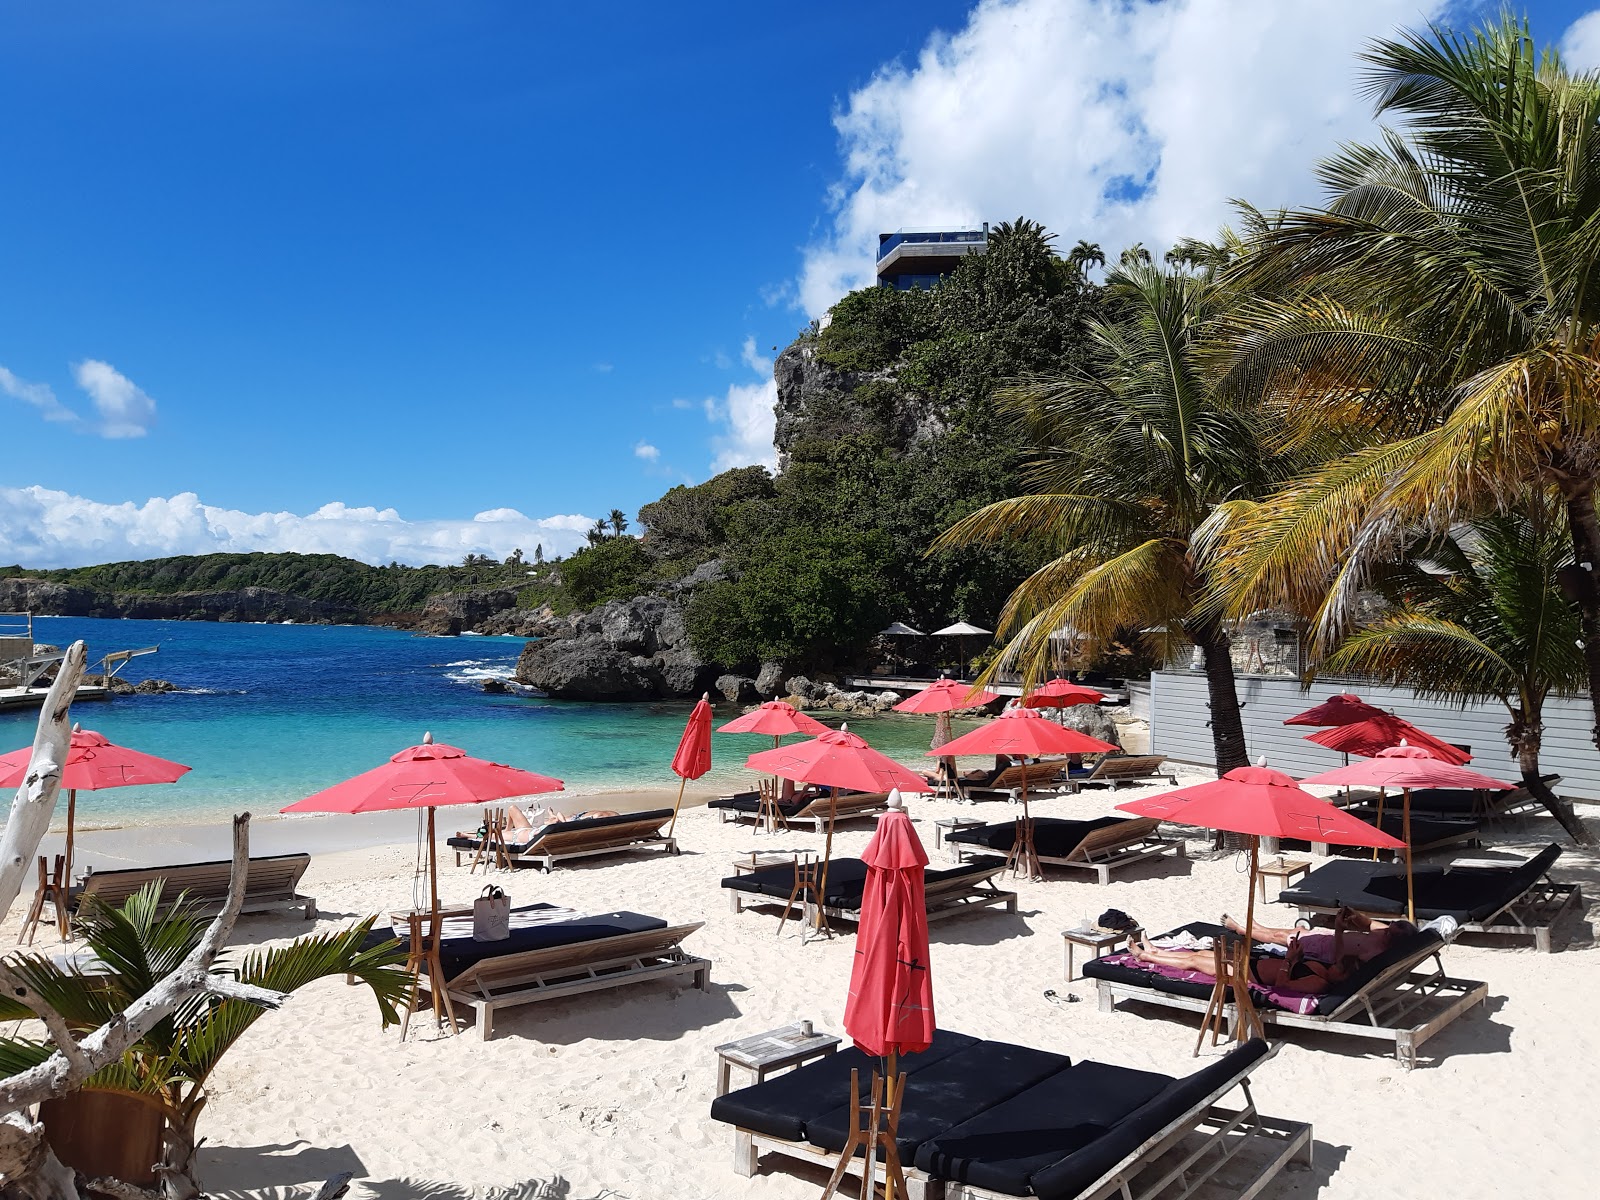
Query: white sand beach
pixel 611 1092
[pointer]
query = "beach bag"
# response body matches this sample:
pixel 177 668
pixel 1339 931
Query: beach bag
pixel 491 916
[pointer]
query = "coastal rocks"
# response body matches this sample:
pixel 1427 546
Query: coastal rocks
pixel 23 594
pixel 636 649
pixel 769 680
pixel 803 693
pixel 1093 720
pixel 452 612
pixel 740 689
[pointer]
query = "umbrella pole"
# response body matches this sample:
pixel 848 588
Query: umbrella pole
pixel 436 988
pixel 1405 833
pixel 827 854
pixel 683 782
pixel 1247 1022
pixel 1382 792
pixel 62 907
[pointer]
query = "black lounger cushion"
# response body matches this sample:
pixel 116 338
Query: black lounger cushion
pixel 658 815
pixel 457 954
pixel 947 1093
pixel 783 1106
pixel 1466 893
pixel 1053 837
pixel 847 879
pixel 1425 831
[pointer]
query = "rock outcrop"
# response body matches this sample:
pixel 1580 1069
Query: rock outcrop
pixel 819 401
pixel 634 649
pixel 456 612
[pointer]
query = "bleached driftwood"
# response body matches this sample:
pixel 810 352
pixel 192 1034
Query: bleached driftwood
pixel 35 801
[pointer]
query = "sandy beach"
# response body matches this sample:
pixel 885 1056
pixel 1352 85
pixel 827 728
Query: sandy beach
pixel 610 1092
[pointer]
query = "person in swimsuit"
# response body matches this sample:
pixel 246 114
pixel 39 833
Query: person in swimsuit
pixel 1352 934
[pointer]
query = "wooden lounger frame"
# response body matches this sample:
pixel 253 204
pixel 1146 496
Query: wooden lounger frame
pixel 1532 914
pixel 1104 850
pixel 948 897
pixel 555 844
pixel 1387 1009
pixel 1175 1162
pixel 269 886
pixel 1043 778
pixel 1118 769
pixel 852 806
pixel 512 980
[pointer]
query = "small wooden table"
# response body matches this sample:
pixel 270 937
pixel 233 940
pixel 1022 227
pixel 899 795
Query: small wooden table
pixel 1092 937
pixel 760 860
pixel 1284 870
pixel 764 1054
pixel 945 826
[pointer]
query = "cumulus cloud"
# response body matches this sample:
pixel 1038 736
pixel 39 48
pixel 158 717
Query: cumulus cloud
pixel 125 410
pixel 43 528
pixel 743 418
pixel 1105 120
pixel 1580 46
pixel 647 452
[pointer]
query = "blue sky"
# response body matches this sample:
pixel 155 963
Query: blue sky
pixel 455 259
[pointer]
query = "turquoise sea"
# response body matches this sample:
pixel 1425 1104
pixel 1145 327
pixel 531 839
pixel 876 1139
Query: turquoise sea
pixel 271 713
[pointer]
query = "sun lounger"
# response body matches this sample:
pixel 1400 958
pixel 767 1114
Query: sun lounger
pixel 1427 833
pixel 949 892
pixel 1115 770
pixel 807 810
pixel 553 952
pixel 269 886
pixel 582 838
pixel 742 806
pixel 1459 804
pixel 1103 845
pixel 1393 998
pixel 1513 901
pixel 986 1119
pixel 1042 778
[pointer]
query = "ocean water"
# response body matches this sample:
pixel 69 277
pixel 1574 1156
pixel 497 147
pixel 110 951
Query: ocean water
pixel 269 714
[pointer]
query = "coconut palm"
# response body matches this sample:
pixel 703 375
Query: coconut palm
pixel 618 521
pixel 135 946
pixel 1480 618
pixel 598 532
pixel 1437 324
pixel 1134 467
pixel 1085 255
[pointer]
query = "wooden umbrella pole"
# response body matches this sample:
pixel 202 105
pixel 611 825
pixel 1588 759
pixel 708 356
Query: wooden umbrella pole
pixel 683 782
pixel 1405 834
pixel 1244 1008
pixel 1381 794
pixel 436 979
pixel 827 854
pixel 62 906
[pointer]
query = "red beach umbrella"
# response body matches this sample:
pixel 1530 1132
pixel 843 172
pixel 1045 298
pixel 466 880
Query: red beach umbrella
pixel 836 759
pixel 1406 767
pixel 1367 737
pixel 775 718
pixel 1061 693
pixel 93 762
pixel 1344 709
pixel 946 695
pixel 693 758
pixel 1260 802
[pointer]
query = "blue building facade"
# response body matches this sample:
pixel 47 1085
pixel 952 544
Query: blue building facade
pixel 919 258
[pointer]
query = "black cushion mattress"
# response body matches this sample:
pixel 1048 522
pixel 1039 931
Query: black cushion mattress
pixel 660 815
pixel 1053 837
pixel 847 879
pixel 1466 893
pixel 1425 831
pixel 456 954
pixel 1327 1002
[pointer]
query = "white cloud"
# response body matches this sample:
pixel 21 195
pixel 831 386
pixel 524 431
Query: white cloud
pixel 681 402
pixel 753 358
pixel 1580 45
pixel 1105 120
pixel 42 528
pixel 40 395
pixel 646 451
pixel 125 410
pixel 746 422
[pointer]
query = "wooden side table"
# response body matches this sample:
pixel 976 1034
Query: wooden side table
pixel 1094 938
pixel 760 860
pixel 764 1054
pixel 1284 870
pixel 945 826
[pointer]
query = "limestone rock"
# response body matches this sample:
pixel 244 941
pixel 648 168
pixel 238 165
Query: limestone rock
pixel 769 680
pixel 740 689
pixel 586 668
pixel 805 690
pixel 1093 720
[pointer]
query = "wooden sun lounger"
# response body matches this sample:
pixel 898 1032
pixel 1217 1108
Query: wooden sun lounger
pixel 512 980
pixel 1401 1004
pixel 269 886
pixel 1115 770
pixel 581 838
pixel 852 806
pixel 1042 778
pixel 1116 846
pixel 947 895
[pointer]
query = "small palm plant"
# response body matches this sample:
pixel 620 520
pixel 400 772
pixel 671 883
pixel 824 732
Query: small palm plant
pixel 137 944
pixel 1479 616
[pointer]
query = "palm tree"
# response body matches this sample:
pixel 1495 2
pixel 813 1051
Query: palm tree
pixel 137 946
pixel 1493 626
pixel 618 522
pixel 1436 325
pixel 1135 468
pixel 1135 255
pixel 1084 255
pixel 598 532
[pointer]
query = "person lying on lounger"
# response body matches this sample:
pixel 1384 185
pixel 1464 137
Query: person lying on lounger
pixel 1352 933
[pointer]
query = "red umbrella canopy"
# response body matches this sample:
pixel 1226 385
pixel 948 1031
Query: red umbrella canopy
pixel 95 762
pixel 1022 732
pixel 431 775
pixel 1408 767
pixel 775 719
pixel 1368 737
pixel 837 758
pixel 1344 709
pixel 1061 693
pixel 693 758
pixel 1264 802
pixel 890 1007
pixel 945 696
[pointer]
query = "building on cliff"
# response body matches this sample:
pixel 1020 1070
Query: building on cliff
pixel 919 258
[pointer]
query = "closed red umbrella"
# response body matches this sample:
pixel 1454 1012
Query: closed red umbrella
pixel 1407 767
pixel 1061 693
pixel 1259 802
pixel 1367 737
pixel 93 762
pixel 836 759
pixel 1344 709
pixel 693 758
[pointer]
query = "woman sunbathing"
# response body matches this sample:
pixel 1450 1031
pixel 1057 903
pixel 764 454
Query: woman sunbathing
pixel 1352 934
pixel 1293 972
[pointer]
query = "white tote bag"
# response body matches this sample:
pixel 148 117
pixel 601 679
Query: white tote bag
pixel 491 916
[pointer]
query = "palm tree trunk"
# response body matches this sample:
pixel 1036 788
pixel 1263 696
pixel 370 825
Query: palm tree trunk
pixel 1585 528
pixel 1227 727
pixel 177 1170
pixel 1526 734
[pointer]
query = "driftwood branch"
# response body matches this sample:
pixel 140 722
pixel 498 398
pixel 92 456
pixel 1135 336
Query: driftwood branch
pixel 61 1073
pixel 60 1032
pixel 35 801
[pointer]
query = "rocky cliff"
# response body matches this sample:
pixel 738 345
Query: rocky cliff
pixel 628 650
pixel 818 401
pixel 247 604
